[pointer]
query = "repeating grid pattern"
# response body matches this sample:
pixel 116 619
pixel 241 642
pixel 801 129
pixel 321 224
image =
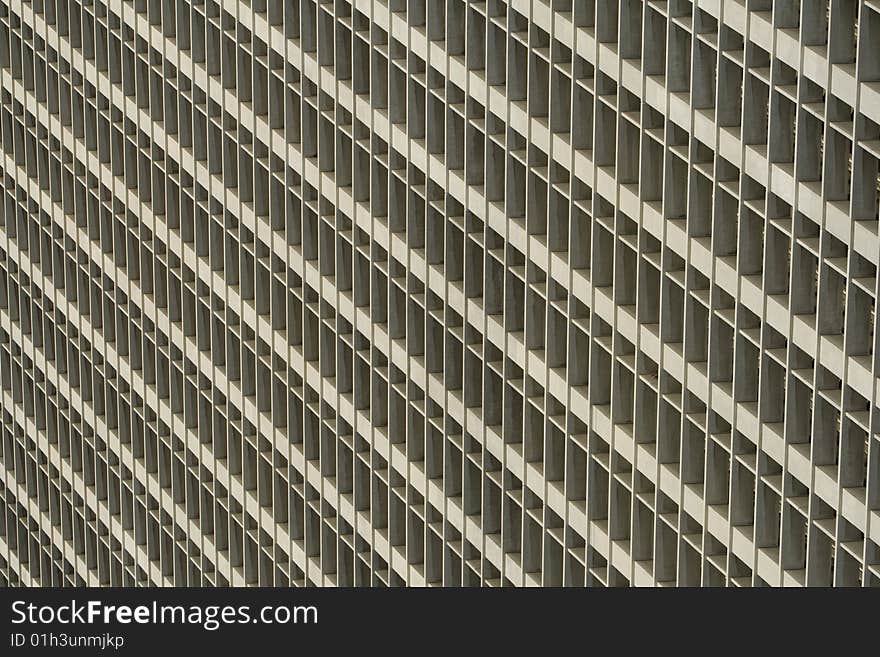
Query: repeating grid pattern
pixel 426 292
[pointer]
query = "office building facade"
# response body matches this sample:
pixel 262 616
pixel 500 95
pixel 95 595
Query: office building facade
pixel 435 292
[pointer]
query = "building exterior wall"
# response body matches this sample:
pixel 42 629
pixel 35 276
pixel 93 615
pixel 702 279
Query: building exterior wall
pixel 433 292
